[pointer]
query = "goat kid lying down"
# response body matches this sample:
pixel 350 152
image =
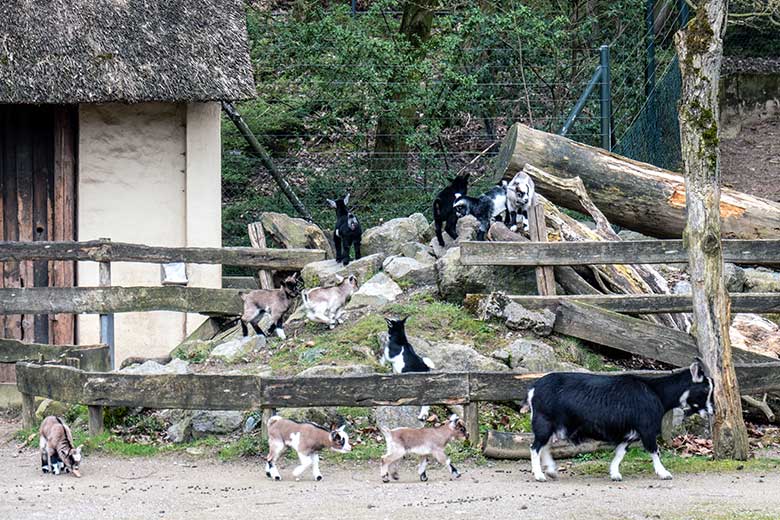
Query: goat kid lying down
pixel 421 441
pixel 326 304
pixel 274 302
pixel 620 409
pixel 307 439
pixel 56 442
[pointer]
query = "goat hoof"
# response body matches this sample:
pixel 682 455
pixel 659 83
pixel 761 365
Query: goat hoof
pixel 268 474
pixel 424 477
pixel 540 478
pixel 552 474
pixel 665 476
pixel 318 478
pixel 385 479
pixel 456 475
pixel 277 478
pixel 616 478
pixel 346 262
pixel 395 476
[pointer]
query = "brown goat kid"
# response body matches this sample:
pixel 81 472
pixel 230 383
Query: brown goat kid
pixel 273 302
pixel 421 441
pixel 326 304
pixel 307 439
pixel 56 441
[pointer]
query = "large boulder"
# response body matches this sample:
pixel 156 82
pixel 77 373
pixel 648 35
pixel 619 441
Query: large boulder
pixel 235 350
pixel 389 417
pixel 377 292
pixel 531 355
pixel 761 280
pixel 180 429
pixel 216 422
pixel 410 271
pixel 450 357
pixel 519 318
pixel 466 228
pixel 455 280
pixel 756 334
pixel 50 407
pixel 735 278
pixel 390 237
pixel 418 251
pixel 292 233
pixel 327 272
pixel 150 368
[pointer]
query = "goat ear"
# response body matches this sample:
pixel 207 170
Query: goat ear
pixel 346 199
pixel 403 320
pixel 389 322
pixel 341 428
pixel 454 418
pixel 504 184
pixel 332 203
pixel 458 195
pixel 697 371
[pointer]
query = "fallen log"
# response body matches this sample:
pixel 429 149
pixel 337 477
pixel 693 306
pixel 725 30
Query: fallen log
pixel 507 445
pixel 632 194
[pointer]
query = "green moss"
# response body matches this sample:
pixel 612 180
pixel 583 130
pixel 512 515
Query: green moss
pixel 194 351
pixel 698 36
pixel 245 446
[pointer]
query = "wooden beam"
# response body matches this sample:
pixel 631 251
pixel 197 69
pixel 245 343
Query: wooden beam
pixel 761 303
pixel 103 251
pixel 633 335
pixel 545 275
pixel 91 357
pixel 609 252
pixel 471 420
pixel 95 420
pixel 98 300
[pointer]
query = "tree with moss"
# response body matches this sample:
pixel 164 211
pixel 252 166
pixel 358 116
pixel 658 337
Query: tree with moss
pixel 700 50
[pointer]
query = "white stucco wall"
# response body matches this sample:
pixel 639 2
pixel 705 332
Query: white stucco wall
pixel 149 173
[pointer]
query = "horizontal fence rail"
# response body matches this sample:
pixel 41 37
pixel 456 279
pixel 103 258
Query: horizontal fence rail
pixel 90 357
pixel 762 303
pixel 536 254
pixel 109 300
pixel 108 251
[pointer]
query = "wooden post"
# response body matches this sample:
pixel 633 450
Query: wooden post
pixel 267 414
pixel 545 275
pixel 28 411
pixel 257 239
pixel 107 320
pixel 95 420
pixel 471 418
pixel 700 51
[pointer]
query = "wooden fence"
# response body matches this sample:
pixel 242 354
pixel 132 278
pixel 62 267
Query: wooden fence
pixel 106 300
pixel 245 392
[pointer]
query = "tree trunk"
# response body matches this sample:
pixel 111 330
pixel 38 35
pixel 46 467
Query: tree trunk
pixel 390 146
pixel 700 49
pixel 632 194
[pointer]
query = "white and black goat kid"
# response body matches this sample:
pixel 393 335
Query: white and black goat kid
pixel 274 302
pixel 620 409
pixel 347 231
pixel 485 207
pixel 519 196
pixel 443 212
pixel 57 447
pixel 420 441
pixel 307 439
pixel 401 356
pixel 326 304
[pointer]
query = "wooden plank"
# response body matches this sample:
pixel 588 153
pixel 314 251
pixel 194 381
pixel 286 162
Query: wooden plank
pixel 500 386
pixel 762 303
pixel 98 300
pixel 107 319
pixel 63 213
pixel 609 252
pixel 471 420
pixel 91 357
pixel 95 420
pixel 545 275
pixel 633 335
pixel 28 411
pixel 257 239
pixel 100 251
pixel 4 134
pixel 24 193
pixel 13 323
pixel 369 390
pixel 758 378
pixel 42 165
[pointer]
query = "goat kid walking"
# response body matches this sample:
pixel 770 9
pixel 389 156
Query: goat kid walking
pixel 273 302
pixel 307 439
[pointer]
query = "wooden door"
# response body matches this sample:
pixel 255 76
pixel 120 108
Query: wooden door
pixel 37 202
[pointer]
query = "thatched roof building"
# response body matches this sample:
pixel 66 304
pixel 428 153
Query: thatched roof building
pixel 88 51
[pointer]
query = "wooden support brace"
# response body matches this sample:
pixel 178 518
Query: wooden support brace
pixel 95 420
pixel 471 418
pixel 267 414
pixel 28 411
pixel 545 275
pixel 257 239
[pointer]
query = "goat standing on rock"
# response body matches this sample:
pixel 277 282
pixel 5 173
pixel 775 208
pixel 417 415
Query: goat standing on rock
pixel 273 302
pixel 421 441
pixel 443 213
pixel 485 208
pixel 620 409
pixel 347 231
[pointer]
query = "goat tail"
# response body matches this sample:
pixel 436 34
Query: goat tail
pixel 429 363
pixel 388 435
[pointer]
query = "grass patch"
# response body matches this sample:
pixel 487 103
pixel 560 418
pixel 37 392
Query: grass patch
pixel 638 462
pixel 244 446
pixel 574 351
pixel 194 351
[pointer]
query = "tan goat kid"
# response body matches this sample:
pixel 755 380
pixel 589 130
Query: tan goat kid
pixel 307 439
pixel 273 302
pixel 326 304
pixel 56 439
pixel 421 441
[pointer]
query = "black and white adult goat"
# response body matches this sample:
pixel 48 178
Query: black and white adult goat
pixel 485 208
pixel 347 231
pixel 620 409
pixel 443 212
pixel 401 356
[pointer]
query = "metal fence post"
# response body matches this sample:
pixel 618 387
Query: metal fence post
pixel 107 320
pixel 684 13
pixel 650 43
pixel 606 100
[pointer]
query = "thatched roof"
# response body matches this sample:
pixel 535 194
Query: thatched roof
pixel 82 51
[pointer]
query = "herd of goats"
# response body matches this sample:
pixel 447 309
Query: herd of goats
pixel 619 409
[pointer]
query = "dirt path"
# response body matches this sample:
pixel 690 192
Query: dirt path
pixel 183 487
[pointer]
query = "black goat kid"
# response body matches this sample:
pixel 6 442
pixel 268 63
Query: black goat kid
pixel 485 208
pixel 442 207
pixel 619 409
pixel 347 232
